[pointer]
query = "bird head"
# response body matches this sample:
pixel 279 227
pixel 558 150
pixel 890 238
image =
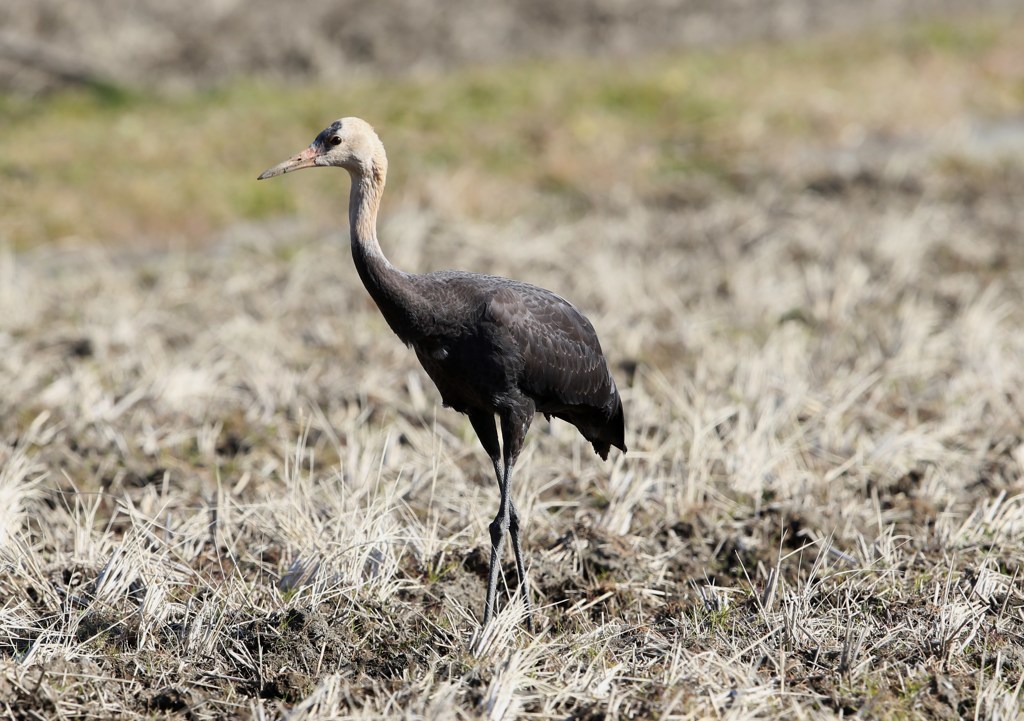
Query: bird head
pixel 348 143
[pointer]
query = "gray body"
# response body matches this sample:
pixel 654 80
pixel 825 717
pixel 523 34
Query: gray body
pixel 501 347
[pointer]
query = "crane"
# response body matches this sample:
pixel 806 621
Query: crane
pixel 494 347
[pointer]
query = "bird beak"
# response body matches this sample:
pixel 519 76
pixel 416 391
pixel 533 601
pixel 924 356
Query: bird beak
pixel 305 159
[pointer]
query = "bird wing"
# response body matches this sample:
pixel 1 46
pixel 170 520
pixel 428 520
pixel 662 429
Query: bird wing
pixel 563 365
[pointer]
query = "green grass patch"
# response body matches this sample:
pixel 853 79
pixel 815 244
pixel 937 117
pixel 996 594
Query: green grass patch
pixel 116 165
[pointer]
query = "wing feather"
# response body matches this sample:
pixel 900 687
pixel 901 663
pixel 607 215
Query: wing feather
pixel 563 364
pixel 516 336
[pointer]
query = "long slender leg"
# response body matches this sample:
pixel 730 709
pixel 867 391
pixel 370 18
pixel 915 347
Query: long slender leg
pixel 517 547
pixel 497 528
pixel 483 424
pixel 513 433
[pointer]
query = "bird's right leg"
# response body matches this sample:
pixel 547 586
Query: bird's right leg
pixel 513 433
pixel 483 424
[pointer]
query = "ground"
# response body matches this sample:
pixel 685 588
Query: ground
pixel 226 490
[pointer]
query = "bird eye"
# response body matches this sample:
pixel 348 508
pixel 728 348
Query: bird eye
pixel 335 140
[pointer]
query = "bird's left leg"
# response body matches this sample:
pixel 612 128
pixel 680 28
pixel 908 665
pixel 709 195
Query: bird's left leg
pixel 513 433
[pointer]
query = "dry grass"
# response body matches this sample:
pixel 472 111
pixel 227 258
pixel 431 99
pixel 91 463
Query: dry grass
pixel 226 490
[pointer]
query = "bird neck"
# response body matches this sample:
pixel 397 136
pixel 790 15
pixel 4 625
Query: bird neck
pixel 391 289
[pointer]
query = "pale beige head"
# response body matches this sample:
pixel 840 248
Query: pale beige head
pixel 348 143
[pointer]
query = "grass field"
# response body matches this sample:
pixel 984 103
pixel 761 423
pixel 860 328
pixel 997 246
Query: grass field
pixel 227 491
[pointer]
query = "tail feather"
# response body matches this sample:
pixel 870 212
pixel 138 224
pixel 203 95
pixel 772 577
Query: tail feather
pixel 611 433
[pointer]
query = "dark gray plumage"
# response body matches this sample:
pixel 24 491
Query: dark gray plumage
pixel 492 346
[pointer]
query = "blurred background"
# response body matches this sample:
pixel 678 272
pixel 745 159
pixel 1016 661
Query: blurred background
pixel 199 44
pixel 137 123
